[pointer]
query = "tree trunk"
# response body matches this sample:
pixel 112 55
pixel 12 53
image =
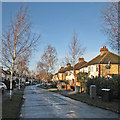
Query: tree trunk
pixel 74 79
pixel 11 86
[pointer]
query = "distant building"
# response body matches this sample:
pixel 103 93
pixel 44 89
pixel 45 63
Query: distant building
pixel 55 77
pixel 67 72
pixel 61 74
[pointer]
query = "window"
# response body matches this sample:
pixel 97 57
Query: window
pixel 60 75
pixel 89 69
pixel 96 67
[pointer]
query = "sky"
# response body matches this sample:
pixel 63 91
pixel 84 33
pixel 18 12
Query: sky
pixel 57 21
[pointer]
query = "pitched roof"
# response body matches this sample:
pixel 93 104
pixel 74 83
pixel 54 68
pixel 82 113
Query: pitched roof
pixel 56 73
pixel 78 65
pixel 104 59
pixel 68 68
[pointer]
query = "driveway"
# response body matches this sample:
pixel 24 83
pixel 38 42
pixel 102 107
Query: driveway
pixel 40 103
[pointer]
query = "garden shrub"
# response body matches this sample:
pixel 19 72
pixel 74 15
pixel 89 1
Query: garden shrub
pixel 107 83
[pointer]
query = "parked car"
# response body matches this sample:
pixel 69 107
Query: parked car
pixel 51 84
pixel 3 87
pixel 27 83
pixel 17 85
pixel 34 83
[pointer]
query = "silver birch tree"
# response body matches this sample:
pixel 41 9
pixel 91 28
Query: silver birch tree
pixel 76 50
pixel 17 39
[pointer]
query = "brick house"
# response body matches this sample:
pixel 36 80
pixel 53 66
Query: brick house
pixel 67 72
pixel 79 64
pixel 106 63
pixel 55 77
pixel 61 74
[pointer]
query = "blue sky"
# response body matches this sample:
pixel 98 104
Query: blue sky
pixel 57 22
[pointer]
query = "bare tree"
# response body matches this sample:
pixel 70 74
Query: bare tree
pixel 41 71
pixel 22 64
pixel 76 50
pixel 65 60
pixel 17 39
pixel 111 25
pixel 48 60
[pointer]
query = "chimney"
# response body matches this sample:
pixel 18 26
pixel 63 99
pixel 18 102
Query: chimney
pixel 68 64
pixel 61 68
pixel 103 50
pixel 81 60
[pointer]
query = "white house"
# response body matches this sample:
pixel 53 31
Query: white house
pixel 106 63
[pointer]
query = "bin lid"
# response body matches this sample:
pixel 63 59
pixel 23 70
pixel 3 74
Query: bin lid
pixel 106 89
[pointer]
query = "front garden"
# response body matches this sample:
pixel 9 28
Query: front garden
pixel 106 83
pixel 100 83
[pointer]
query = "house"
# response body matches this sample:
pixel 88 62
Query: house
pixel 106 63
pixel 79 64
pixel 61 74
pixel 67 72
pixel 55 77
pixel 64 73
pixel 69 75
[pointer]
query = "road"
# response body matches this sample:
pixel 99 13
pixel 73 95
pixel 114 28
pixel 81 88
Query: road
pixel 40 103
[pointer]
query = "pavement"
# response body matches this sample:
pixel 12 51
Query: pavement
pixel 40 103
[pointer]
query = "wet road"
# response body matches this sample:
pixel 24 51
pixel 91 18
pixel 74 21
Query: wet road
pixel 40 103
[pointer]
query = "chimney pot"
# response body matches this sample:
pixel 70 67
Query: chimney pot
pixel 68 64
pixel 81 60
pixel 103 50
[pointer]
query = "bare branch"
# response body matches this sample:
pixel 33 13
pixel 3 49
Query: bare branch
pixel 48 60
pixel 111 16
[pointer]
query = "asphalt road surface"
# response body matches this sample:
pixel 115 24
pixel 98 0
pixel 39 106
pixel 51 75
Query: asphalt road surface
pixel 40 103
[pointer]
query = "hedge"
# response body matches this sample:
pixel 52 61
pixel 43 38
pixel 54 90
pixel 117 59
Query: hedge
pixel 107 83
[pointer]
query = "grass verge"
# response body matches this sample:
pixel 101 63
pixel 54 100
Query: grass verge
pixel 11 108
pixel 114 105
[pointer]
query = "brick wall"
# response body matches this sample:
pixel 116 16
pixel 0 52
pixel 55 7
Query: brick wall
pixel 113 69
